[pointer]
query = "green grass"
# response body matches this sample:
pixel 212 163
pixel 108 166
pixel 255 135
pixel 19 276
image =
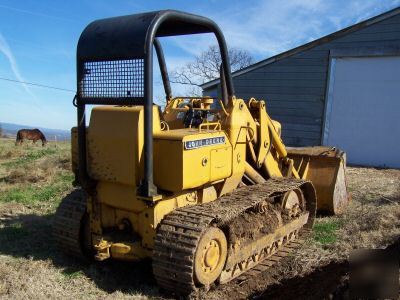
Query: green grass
pixel 30 156
pixel 52 178
pixel 325 232
pixel 35 194
pixel 72 274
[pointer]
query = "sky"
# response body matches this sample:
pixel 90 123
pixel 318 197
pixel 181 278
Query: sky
pixel 38 41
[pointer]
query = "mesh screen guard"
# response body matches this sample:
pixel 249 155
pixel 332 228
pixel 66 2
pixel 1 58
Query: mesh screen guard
pixel 112 81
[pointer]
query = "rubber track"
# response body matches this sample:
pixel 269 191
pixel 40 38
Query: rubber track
pixel 180 231
pixel 67 223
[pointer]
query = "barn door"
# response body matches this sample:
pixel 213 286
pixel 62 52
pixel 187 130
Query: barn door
pixel 363 110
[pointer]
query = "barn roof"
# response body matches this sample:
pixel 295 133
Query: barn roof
pixel 312 44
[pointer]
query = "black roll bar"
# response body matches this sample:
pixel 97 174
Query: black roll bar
pixel 163 69
pixel 130 40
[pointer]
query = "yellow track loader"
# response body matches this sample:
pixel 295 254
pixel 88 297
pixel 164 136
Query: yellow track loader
pixel 205 188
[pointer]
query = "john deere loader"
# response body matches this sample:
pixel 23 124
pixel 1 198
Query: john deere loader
pixel 205 188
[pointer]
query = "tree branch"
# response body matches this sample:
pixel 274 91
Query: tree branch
pixel 205 67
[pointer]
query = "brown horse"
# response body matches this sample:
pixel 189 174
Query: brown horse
pixel 30 134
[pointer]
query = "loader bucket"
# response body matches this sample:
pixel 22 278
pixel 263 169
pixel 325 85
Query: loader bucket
pixel 325 167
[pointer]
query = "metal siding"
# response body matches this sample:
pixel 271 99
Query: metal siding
pixel 294 87
pixel 277 68
pixel 287 89
pixel 380 28
pixel 210 92
pixel 368 37
pixel 293 104
pixel 262 75
pixel 282 97
pixel 261 82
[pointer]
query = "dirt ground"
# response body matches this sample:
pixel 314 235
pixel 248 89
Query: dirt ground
pixel 319 269
pixel 34 179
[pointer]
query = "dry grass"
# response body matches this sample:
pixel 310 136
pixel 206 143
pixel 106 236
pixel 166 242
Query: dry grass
pixel 320 267
pixel 372 220
pixel 33 180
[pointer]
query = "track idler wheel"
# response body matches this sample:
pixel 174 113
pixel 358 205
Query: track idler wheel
pixel 210 256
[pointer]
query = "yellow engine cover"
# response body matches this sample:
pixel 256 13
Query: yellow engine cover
pixel 183 158
pixel 115 143
pixel 189 158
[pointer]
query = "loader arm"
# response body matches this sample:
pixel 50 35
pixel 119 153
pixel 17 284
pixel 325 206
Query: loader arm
pixel 266 155
pixel 323 166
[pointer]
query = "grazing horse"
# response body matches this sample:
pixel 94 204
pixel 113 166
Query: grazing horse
pixel 30 134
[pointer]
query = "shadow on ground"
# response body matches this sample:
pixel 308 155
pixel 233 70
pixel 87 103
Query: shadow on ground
pixel 324 283
pixel 327 282
pixel 30 236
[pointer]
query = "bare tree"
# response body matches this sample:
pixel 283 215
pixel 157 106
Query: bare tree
pixel 205 67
